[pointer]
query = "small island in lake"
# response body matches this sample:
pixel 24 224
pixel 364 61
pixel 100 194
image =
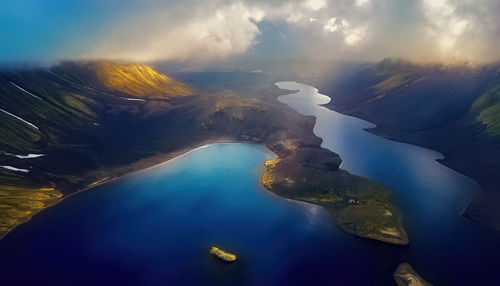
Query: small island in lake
pixel 222 254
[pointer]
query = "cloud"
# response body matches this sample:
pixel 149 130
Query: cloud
pixel 351 36
pixel 421 30
pixel 463 29
pixel 208 33
pixel 362 2
pixel 444 24
pixel 354 36
pixel 315 5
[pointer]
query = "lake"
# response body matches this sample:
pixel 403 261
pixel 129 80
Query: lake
pixel 156 226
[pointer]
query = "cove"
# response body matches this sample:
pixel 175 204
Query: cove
pixel 156 226
pixel 445 248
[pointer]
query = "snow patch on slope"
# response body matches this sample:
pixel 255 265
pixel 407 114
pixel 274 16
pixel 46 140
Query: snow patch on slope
pixel 14 169
pixel 22 89
pixel 29 156
pixel 20 119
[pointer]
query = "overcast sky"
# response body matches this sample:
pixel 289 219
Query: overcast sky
pixel 210 30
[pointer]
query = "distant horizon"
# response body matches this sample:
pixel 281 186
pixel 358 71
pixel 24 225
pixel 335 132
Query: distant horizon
pixel 242 64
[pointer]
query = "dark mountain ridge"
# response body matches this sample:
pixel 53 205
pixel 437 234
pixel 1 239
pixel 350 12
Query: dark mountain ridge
pixel 452 109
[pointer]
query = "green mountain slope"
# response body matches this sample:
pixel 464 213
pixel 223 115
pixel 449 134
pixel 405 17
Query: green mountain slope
pixel 487 110
pixel 55 127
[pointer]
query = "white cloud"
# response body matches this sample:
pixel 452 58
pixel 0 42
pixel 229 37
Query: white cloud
pixel 332 26
pixel 229 30
pixel 354 36
pixel 295 17
pixel 315 5
pixel 209 31
pixel 362 2
pixel 445 25
pixel 359 29
pixel 351 36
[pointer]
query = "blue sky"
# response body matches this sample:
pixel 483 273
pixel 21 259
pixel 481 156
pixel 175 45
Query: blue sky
pixel 44 30
pixel 209 30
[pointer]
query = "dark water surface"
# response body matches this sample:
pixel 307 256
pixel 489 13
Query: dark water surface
pixel 155 226
pixel 445 247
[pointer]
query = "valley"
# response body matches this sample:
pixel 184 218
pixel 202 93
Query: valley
pixel 459 118
pixel 311 142
pixel 90 135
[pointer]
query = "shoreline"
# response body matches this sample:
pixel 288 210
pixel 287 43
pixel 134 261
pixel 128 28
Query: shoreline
pixel 483 188
pixel 31 215
pixel 443 161
pixel 359 211
pixel 172 157
pixel 168 156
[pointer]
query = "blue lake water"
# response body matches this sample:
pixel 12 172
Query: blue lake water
pixel 156 226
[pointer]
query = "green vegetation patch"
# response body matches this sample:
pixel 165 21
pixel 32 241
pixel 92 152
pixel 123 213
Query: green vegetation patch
pixel 392 82
pixel 487 108
pixel 490 97
pixel 18 204
pixel 490 117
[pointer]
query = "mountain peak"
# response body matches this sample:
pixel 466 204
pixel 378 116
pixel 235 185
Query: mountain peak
pixel 138 80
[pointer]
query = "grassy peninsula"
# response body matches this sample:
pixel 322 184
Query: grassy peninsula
pixel 305 172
